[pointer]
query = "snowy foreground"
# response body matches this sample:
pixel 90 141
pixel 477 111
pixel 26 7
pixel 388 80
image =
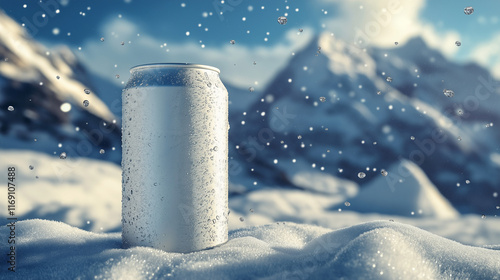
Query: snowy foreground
pixel 381 249
pixel 275 233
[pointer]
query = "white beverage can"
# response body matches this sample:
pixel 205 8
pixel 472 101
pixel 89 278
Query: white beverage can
pixel 174 162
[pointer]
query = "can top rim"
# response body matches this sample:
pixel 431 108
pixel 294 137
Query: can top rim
pixel 175 65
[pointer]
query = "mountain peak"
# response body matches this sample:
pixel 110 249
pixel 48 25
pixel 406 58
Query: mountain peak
pixel 28 61
pixel 37 82
pixel 416 42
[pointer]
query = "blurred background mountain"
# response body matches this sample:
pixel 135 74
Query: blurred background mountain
pixel 332 109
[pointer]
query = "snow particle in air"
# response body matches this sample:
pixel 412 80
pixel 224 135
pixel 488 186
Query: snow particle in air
pixel 468 10
pixel 412 138
pixel 467 182
pixel 361 175
pixel 62 155
pixel 448 92
pixel 86 103
pixel 187 33
pixel 282 20
pixel 65 107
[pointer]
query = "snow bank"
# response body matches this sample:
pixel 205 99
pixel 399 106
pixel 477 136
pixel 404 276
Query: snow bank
pixel 415 194
pixel 385 250
pixel 80 192
pixel 86 193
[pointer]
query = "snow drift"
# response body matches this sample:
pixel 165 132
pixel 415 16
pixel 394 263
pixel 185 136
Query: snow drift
pixel 375 250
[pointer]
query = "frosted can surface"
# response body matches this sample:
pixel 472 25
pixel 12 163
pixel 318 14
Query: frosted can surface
pixel 174 142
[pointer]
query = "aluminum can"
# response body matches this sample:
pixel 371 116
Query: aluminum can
pixel 174 161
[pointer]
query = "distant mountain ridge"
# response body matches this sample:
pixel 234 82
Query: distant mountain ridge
pixel 342 110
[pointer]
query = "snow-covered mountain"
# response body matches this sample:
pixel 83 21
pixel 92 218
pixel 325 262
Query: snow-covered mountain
pixel 342 110
pixel 42 94
pixel 322 114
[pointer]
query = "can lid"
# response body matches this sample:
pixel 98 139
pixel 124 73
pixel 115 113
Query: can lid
pixel 174 65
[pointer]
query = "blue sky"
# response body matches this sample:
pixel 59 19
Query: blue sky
pixel 255 29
